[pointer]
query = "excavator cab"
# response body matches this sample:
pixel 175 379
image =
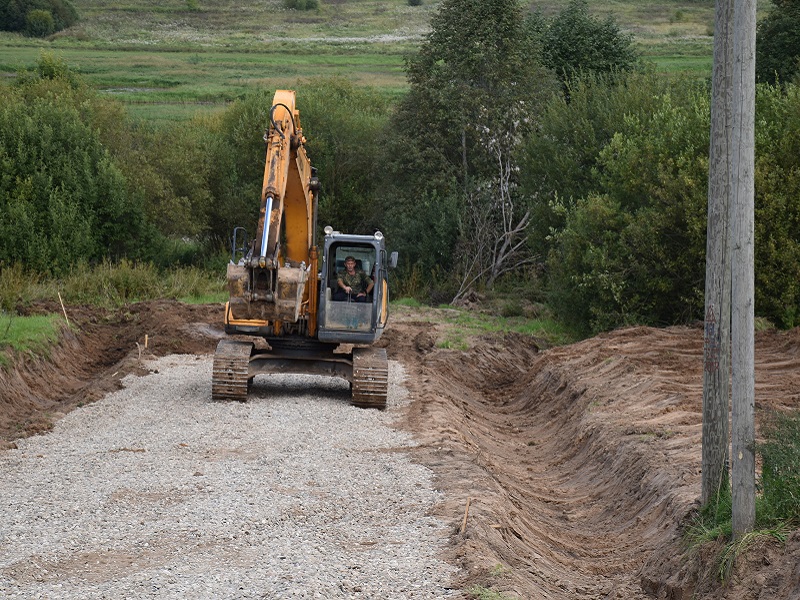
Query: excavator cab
pixel 345 320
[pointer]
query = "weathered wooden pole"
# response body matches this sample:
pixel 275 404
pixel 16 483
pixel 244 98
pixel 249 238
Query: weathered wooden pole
pixel 742 283
pixel 716 372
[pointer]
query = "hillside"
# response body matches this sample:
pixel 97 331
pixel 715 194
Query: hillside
pixel 168 61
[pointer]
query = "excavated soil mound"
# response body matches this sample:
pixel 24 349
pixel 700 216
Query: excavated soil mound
pixel 96 351
pixel 578 464
pixel 567 471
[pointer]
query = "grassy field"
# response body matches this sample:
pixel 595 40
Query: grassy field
pixel 168 61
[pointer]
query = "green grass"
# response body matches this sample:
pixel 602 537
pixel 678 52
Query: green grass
pixel 458 327
pixel 111 285
pixel 28 334
pixel 777 504
pixel 168 62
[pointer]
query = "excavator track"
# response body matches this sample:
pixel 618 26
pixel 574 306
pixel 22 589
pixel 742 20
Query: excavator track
pixel 370 377
pixel 230 377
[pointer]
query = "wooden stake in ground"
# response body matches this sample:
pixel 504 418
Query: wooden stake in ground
pixel 63 309
pixel 742 279
pixel 466 514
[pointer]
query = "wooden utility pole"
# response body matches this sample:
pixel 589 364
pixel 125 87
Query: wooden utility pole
pixel 716 372
pixel 742 282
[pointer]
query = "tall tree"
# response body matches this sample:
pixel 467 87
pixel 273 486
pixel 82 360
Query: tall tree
pixel 473 73
pixel 716 372
pixel 778 43
pixel 575 42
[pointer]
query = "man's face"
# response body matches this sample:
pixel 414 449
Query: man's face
pixel 350 265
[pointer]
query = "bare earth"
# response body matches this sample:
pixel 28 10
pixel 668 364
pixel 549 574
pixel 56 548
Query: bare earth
pixel 577 464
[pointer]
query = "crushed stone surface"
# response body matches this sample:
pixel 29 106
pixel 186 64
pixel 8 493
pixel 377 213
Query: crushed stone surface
pixel 157 492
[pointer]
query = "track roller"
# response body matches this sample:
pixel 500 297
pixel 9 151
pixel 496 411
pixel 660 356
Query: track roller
pixel 230 377
pixel 370 377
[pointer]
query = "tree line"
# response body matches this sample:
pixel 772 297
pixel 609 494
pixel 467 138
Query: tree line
pixel 536 153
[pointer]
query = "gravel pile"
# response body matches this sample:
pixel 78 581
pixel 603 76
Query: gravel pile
pixel 156 492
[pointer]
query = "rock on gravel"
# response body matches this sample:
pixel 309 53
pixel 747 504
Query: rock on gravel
pixel 156 492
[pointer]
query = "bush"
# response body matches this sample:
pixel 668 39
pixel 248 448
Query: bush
pixel 62 200
pixel 575 42
pixel 778 43
pixel 16 15
pixel 39 23
pixel 632 250
pixel 301 4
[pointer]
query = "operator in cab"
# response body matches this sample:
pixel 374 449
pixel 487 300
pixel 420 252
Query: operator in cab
pixel 353 285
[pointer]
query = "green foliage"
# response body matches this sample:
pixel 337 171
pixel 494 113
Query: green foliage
pixel 575 42
pixel 116 284
pixel 301 4
pixel 619 176
pixel 777 220
pixel 479 592
pixel 415 2
pixel 37 18
pixel 237 167
pixel 346 130
pixel 29 334
pixel 780 473
pixel 470 80
pixel 632 249
pixel 778 43
pixel 39 23
pixel 15 286
pixel 62 200
pixel 777 507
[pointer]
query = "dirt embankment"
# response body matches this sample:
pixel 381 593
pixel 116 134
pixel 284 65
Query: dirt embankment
pixel 578 463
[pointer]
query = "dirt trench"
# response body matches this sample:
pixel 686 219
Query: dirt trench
pixel 566 472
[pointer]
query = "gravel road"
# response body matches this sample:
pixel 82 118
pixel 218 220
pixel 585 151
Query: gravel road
pixel 156 492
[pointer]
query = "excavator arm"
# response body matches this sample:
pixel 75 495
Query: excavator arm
pixel 269 288
pixel 287 197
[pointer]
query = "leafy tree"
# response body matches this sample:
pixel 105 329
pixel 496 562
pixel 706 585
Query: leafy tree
pixel 238 165
pixel 777 216
pixel 632 249
pixel 468 76
pixel 559 162
pixel 575 42
pixel 28 16
pixel 778 43
pixel 346 129
pixel 62 200
pixel 39 23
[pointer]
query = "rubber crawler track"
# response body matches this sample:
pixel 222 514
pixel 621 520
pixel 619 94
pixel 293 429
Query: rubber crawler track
pixel 230 374
pixel 370 377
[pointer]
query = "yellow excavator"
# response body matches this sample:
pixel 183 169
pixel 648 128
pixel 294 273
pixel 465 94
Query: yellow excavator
pixel 283 290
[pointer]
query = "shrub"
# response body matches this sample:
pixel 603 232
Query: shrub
pixel 778 43
pixel 632 250
pixel 39 23
pixel 576 42
pixel 62 200
pixel 301 4
pixel 15 15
